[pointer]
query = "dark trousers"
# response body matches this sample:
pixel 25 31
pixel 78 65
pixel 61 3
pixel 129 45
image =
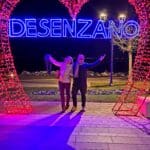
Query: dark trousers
pixel 78 87
pixel 64 89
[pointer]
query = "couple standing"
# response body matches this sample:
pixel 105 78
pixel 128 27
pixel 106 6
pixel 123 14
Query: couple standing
pixel 79 72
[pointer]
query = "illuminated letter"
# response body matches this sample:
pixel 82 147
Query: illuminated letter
pixel 114 30
pixel 87 24
pixel 46 30
pixel 56 27
pixel 16 28
pixel 100 29
pixel 67 28
pixel 131 29
pixel 31 28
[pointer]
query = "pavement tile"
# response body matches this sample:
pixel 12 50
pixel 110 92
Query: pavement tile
pixel 90 146
pixel 96 129
pixel 128 147
pixel 127 140
pixel 93 138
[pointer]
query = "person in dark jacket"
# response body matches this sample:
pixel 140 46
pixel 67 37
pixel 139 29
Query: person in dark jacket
pixel 80 79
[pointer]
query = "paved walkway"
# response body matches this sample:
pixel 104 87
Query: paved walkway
pixel 96 129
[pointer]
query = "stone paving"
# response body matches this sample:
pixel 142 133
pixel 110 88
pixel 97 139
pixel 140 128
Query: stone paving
pixel 96 129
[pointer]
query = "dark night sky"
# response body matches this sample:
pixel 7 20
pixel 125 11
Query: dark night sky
pixel 28 53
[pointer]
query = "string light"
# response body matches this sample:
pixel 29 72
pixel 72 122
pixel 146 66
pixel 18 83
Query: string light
pixel 126 103
pixel 12 94
pixel 74 6
pixel 12 75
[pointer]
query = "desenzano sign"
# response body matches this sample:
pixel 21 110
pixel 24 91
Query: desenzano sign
pixel 78 28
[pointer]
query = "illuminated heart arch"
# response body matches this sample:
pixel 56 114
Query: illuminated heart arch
pixel 15 99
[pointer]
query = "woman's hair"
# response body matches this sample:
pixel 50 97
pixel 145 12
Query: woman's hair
pixel 69 57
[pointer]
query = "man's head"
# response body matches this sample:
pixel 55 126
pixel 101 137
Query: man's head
pixel 80 58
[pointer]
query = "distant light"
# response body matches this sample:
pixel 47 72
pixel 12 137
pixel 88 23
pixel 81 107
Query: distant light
pixel 122 17
pixel 12 75
pixel 103 16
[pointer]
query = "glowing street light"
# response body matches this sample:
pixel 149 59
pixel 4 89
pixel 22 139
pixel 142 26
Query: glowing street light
pixel 122 17
pixel 103 16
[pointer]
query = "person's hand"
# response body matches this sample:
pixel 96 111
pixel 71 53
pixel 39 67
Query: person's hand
pixel 102 57
pixel 47 56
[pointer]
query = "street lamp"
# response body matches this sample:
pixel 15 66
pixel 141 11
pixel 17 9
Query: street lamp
pixel 111 61
pixel 103 16
pixel 121 17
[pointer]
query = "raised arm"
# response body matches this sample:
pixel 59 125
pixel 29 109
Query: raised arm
pixel 97 62
pixel 54 61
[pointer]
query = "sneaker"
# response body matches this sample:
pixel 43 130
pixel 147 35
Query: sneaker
pixel 63 110
pixel 66 107
pixel 83 109
pixel 73 109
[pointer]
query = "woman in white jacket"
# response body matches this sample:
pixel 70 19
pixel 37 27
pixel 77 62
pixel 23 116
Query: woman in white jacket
pixel 64 79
